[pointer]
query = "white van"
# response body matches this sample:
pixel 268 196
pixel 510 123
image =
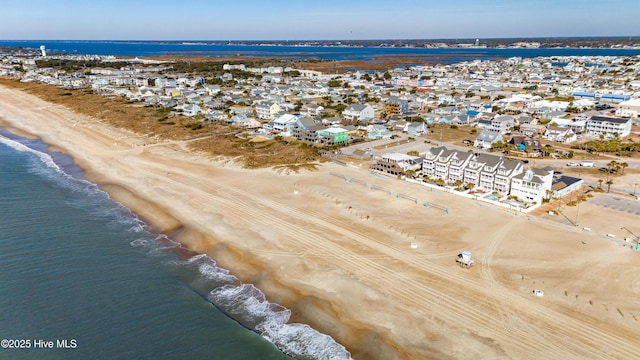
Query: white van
pixel 586 163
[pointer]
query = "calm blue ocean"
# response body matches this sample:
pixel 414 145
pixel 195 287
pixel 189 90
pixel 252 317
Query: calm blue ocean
pixel 76 266
pixel 442 55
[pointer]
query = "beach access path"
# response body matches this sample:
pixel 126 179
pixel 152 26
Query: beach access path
pixel 338 253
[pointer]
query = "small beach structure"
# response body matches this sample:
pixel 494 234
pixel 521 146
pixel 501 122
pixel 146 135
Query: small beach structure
pixel 464 259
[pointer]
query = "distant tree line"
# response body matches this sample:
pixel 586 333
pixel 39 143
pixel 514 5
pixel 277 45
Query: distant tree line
pixel 69 65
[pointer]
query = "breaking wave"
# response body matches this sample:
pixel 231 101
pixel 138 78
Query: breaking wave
pixel 90 196
pixel 247 305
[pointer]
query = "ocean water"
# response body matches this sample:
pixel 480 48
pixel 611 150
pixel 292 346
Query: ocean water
pixel 82 272
pixel 439 55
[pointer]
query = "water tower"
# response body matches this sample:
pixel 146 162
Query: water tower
pixel 44 53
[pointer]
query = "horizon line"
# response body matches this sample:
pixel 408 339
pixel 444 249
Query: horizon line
pixel 628 37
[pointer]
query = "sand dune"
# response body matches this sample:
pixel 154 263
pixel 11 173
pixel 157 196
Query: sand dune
pixel 338 253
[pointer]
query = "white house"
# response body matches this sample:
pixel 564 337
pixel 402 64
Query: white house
pixel 191 110
pixel 486 138
pixel 502 124
pixel 532 185
pixel 487 172
pixel 359 112
pixel 562 135
pixel 283 124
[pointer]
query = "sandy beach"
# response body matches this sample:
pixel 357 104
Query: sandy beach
pixel 339 254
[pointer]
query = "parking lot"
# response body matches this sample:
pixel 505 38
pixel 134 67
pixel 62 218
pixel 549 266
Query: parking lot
pixel 617 202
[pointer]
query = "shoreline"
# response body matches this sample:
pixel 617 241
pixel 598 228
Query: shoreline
pixel 334 256
pixel 194 241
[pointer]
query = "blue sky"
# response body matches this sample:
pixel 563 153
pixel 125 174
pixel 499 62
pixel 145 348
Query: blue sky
pixel 311 19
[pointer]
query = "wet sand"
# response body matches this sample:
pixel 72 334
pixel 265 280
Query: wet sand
pixel 338 254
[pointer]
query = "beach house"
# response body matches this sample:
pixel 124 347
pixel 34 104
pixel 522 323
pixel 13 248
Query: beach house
pixel 532 185
pixel 267 110
pixel 396 106
pixel 306 129
pixel 487 138
pixel 282 125
pixel 491 173
pixel 397 164
pixel 563 135
pixel 333 136
pixel 488 173
pixel 358 112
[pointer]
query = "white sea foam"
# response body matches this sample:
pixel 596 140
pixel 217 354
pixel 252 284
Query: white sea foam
pixel 303 342
pixel 247 305
pixel 44 157
pixel 139 242
pixel 208 268
pixel 96 200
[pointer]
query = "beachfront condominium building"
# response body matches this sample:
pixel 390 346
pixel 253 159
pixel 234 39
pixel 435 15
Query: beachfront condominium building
pixel 609 127
pixel 487 172
pixel 448 165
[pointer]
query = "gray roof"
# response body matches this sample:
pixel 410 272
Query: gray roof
pixel 489 136
pixel 609 119
pixel 356 107
pixel 306 121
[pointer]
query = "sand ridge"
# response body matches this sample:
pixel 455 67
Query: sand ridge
pixel 337 253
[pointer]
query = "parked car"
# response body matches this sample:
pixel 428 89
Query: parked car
pixel 538 293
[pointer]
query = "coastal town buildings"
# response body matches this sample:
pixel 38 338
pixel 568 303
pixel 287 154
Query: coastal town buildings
pixel 516 100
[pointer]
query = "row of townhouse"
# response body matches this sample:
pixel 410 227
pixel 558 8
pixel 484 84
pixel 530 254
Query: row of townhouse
pixel 488 173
